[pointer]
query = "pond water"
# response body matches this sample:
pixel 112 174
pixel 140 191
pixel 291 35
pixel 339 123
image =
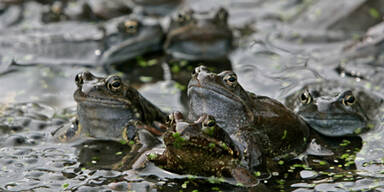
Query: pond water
pixel 279 47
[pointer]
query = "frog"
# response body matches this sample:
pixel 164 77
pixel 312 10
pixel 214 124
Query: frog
pixel 361 59
pixel 197 36
pixel 334 108
pixel 84 10
pixel 205 142
pixel 10 13
pixel 158 8
pixel 87 44
pixel 263 128
pixel 107 108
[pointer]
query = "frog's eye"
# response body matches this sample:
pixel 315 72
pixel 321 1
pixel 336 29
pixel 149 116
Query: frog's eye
pixel 210 123
pixel 349 100
pixel 183 17
pixel 79 79
pixel 129 26
pixel 114 83
pixel 306 97
pixel 208 126
pixel 230 79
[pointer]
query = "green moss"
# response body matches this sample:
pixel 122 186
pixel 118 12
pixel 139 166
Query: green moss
pixel 152 156
pixel 215 180
pixel 209 130
pixel 224 146
pixel 145 79
pixel 65 185
pixel 374 13
pixel 123 142
pixel 185 184
pixel 322 162
pixel 257 173
pixel 284 134
pixel 143 63
pixel 345 143
pixel 178 139
pixel 179 86
pixel 175 68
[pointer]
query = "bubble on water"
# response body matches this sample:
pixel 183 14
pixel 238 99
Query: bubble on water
pixel 97 52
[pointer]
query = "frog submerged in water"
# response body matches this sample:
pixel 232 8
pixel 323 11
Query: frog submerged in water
pixel 262 127
pixel 118 40
pixel 333 108
pixel 202 141
pixel 199 36
pixel 84 10
pixel 107 108
pixel 157 7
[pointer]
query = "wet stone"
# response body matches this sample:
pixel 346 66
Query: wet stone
pixel 34 174
pixel 302 185
pixel 8 162
pixel 69 173
pixel 31 161
pixel 15 140
pixel 37 136
pixel 329 187
pixel 119 186
pixel 57 177
pixel 303 190
pixel 59 121
pixel 19 165
pixel 308 174
pixel 88 189
pixel 107 173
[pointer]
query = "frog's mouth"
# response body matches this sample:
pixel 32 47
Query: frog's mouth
pixel 335 125
pixel 89 99
pixel 195 87
pixel 217 102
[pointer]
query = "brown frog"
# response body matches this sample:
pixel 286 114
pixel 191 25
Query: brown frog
pixel 261 126
pixel 202 148
pixel 199 36
pixel 109 109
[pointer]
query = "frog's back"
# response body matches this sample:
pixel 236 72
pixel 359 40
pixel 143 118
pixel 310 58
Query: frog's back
pixel 282 132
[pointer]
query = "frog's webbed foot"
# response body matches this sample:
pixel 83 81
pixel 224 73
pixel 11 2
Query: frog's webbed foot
pixel 156 128
pixel 141 141
pixel 68 132
pixel 247 179
pixel 138 132
pixel 244 176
